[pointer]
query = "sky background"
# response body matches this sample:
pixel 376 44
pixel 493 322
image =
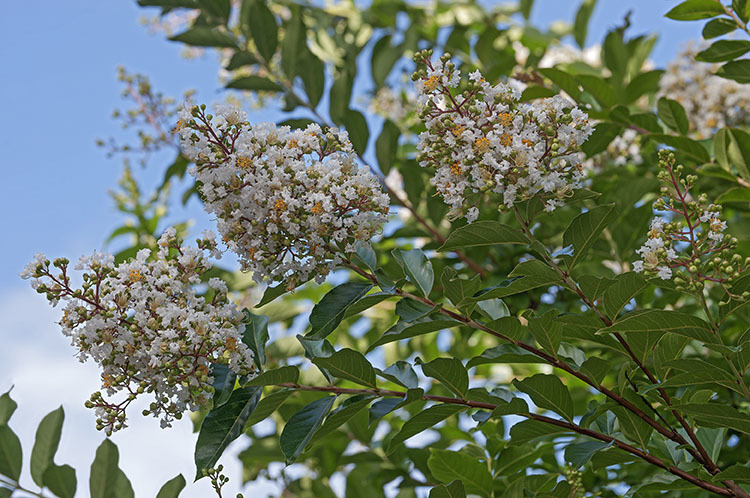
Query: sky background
pixel 58 88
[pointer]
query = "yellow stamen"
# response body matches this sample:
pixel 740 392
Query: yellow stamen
pixel 506 119
pixel 456 169
pixel 279 205
pixel 134 275
pixel 506 139
pixel 244 162
pixel 180 125
pixel 458 131
pixel 317 208
pixel 431 83
pixel 527 142
pixel 108 380
pixel 482 143
pixel 231 344
pixel 292 143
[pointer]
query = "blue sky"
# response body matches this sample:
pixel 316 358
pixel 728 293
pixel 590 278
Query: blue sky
pixel 59 88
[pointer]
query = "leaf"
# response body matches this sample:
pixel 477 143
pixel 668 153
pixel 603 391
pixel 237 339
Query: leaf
pixel 581 23
pixel 345 411
pixel 459 290
pixel 223 425
pixel 255 336
pixel 673 115
pixel 417 268
pixel 624 288
pixel 735 194
pixel 712 440
pixel 267 405
pixel 453 490
pixel 328 313
pixel 281 375
pixel 737 473
pixel 580 453
pixel 547 331
pixel 386 146
pixel 596 368
pixel 402 374
pixel 312 72
pixel 447 466
pixel 262 25
pixel 718 27
pixel 301 427
pixel 504 353
pixel 254 83
pixel 105 474
pixel 600 89
pixel 483 233
pixel 738 150
pixel 7 407
pixel 409 310
pixel 385 406
pixel 717 415
pixel 642 84
pixel 293 44
pixel 61 480
pixel 350 365
pixel 172 488
pixel 724 50
pixel 633 427
pixel 493 309
pixel 356 125
pixel 585 229
pixel 600 139
pixel 46 444
pixel 422 421
pixel 525 276
pixel 662 321
pixel 693 10
pixel 407 330
pixel 532 430
pixel 450 372
pixel 10 453
pixel 203 36
pixel 223 384
pixel 694 150
pixel 738 71
pixel 241 59
pixel 548 391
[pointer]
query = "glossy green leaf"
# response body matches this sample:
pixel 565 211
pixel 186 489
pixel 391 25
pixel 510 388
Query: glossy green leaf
pixel 350 365
pixel 342 414
pixel 386 146
pixel 46 443
pixel 301 427
pixel 664 321
pixel 447 466
pixel 600 139
pixel 106 478
pixel 737 473
pixel 61 480
pixel 223 384
pixel 483 233
pixel 223 425
pixel 724 50
pixel 254 83
pixel 673 115
pixel 693 10
pixel 585 229
pixel 450 372
pixel 581 23
pixel 580 453
pixel 417 268
pixel 547 391
pixel 328 313
pixel 356 125
pixel 204 36
pixel 256 336
pixel 424 420
pixel 402 374
pixel 10 453
pixel 262 26
pixel 547 331
pixel 281 375
pixel 454 489
pixel 625 287
pixel 504 353
pixel 562 79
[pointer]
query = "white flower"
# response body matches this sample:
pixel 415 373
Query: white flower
pixel 665 273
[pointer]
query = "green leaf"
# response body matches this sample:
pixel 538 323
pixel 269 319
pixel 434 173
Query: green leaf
pixel 256 336
pixel 459 290
pixel 483 233
pixel 693 10
pixel 10 453
pixel 254 83
pixel 738 150
pixel 547 331
pixel 356 125
pixel 600 139
pixel 580 453
pixel 642 84
pixel 712 440
pixel 596 368
pixel 407 330
pixel 340 96
pixel 562 79
pixel 717 415
pixel 600 89
pixel 262 25
pixel 241 59
pixel 673 322
pixel 267 405
pixel 738 71
pixel 453 490
pixel 737 473
pixel 493 309
pixel 527 275
pixel 172 488
pixel 532 430
pixel 422 421
pixel 504 353
pixel 301 427
pixel 350 365
pixel 724 50
pixel 417 268
pixel 328 313
pixel 384 56
pixel 402 374
pixel 624 288
pixel 223 425
pixel 447 466
pixel 223 384
pixel 281 375
pixel 46 444
pixel 735 194
pixel 585 229
pixel 105 476
pixel 409 310
pixel 633 427
pixel 718 27
pixel 345 411
pixel 673 115
pixel 547 391
pixel 293 44
pixel 386 146
pixel 61 480
pixel 694 150
pixel 312 72
pixel 385 406
pixel 7 407
pixel 450 372
pixel 525 8
pixel 203 36
pixel 581 23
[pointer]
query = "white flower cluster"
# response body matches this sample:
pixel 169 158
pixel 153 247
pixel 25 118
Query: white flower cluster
pixel 711 102
pixel 624 149
pixel 144 323
pixel 482 139
pixel 286 201
pixel 689 243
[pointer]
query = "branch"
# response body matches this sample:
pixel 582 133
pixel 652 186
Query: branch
pixel 532 416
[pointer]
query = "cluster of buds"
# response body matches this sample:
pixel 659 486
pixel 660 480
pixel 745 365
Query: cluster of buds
pixel 143 322
pixel 482 140
pixel 286 201
pixel 688 245
pixel 711 102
